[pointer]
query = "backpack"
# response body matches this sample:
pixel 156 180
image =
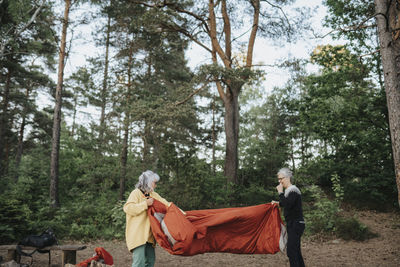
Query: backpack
pixel 45 239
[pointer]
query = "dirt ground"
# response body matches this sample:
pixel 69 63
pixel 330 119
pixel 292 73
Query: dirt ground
pixel 381 251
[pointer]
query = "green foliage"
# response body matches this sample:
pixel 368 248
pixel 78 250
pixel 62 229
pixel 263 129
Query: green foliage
pixel 264 142
pixel 118 220
pixel 337 188
pixel 195 186
pixel 238 75
pixel 340 126
pixel 321 215
pixel 15 219
pixel 352 229
pixel 254 194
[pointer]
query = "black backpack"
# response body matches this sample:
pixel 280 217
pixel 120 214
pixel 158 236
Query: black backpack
pixel 47 238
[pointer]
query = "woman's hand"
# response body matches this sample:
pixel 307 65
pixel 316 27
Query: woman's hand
pixel 149 201
pixel 279 188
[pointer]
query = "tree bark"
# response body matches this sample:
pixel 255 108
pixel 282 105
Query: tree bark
pixel 54 200
pixel 74 111
pixel 20 147
pixel 124 152
pixel 105 79
pixel 4 125
pixel 232 135
pixel 213 136
pixel 146 147
pixel 388 20
pixel 146 137
pixel 124 158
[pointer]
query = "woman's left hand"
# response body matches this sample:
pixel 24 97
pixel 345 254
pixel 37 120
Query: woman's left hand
pixel 149 201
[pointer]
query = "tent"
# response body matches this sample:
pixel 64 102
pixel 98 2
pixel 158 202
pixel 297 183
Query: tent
pixel 244 230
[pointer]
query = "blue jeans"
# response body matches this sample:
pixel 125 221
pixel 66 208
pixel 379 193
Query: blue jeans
pixel 144 256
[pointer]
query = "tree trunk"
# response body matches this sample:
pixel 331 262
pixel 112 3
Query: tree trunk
pixel 20 148
pixel 388 22
pixel 4 125
pixel 147 137
pixel 146 146
pixel 104 89
pixel 54 201
pixel 124 159
pixel 124 152
pixel 213 136
pixel 74 111
pixel 232 136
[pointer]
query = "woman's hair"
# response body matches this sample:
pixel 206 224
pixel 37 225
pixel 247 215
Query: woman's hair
pixel 285 172
pixel 145 181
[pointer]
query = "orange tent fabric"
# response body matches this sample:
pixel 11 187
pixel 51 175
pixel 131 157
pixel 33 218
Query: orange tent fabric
pixel 101 253
pixel 245 230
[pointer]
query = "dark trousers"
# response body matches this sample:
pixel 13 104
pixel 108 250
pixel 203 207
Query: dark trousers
pixel 295 229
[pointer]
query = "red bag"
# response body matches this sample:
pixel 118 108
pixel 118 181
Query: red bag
pixel 101 253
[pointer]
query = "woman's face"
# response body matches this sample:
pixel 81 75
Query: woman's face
pixel 283 181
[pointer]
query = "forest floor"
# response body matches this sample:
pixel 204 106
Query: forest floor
pixel 383 250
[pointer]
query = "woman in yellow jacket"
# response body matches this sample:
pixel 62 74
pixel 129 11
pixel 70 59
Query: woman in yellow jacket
pixel 139 238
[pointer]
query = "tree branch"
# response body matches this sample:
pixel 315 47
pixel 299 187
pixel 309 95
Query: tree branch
pixel 218 83
pixel 227 31
pixel 178 28
pixel 280 10
pixel 352 27
pixel 253 34
pixel 374 52
pixel 213 34
pixel 347 29
pixel 17 33
pixel 193 93
pixel 175 7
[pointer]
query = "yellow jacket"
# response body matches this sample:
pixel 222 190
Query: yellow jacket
pixel 138 230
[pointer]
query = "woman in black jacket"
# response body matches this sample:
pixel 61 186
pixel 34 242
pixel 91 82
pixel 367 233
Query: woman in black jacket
pixel 290 200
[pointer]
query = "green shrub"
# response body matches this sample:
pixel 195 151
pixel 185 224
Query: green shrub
pixel 14 219
pixel 118 219
pixel 255 194
pixel 352 229
pixel 321 214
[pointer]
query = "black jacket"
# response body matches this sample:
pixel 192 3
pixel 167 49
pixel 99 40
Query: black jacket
pixel 291 202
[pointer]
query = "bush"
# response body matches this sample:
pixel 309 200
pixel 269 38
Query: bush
pixel 320 216
pixel 14 219
pixel 118 218
pixel 352 229
pixel 254 194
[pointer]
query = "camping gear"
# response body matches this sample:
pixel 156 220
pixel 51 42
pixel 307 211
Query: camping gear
pixel 45 239
pixel 101 255
pixel 245 230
